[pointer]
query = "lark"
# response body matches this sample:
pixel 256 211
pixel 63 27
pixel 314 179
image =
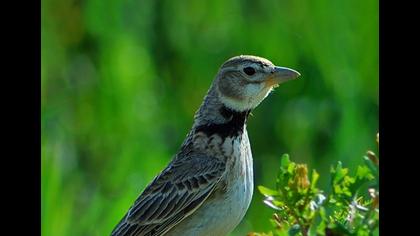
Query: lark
pixel 207 187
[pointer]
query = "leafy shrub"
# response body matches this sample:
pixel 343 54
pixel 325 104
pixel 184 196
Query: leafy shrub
pixel 351 206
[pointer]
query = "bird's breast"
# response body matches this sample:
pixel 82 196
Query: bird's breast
pixel 234 193
pixel 224 209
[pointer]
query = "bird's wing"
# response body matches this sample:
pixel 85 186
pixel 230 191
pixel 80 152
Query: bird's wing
pixel 173 195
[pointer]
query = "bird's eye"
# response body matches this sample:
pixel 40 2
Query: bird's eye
pixel 249 70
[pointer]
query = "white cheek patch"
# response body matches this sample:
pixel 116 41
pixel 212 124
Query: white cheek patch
pixel 235 104
pixel 253 95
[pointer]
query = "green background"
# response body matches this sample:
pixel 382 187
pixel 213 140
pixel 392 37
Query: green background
pixel 122 79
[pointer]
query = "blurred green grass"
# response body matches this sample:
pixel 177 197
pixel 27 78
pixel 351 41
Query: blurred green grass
pixel 121 80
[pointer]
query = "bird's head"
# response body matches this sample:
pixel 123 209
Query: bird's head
pixel 244 81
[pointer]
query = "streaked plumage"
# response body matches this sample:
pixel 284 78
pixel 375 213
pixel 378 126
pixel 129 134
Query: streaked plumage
pixel 207 188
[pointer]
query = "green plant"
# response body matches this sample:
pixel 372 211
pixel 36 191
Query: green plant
pixel 351 206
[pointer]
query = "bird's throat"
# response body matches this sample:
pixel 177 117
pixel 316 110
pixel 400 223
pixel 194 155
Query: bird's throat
pixel 233 126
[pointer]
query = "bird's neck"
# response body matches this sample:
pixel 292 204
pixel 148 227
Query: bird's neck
pixel 233 126
pixel 214 117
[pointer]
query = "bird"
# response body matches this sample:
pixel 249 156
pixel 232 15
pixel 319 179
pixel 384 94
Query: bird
pixel 207 187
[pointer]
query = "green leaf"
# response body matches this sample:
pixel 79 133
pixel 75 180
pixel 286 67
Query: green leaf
pixel 278 203
pixel 285 161
pixel 286 170
pixel 291 168
pixel 267 191
pixel 339 173
pixel 314 180
pixel 363 172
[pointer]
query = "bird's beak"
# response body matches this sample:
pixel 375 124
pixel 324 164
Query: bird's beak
pixel 280 75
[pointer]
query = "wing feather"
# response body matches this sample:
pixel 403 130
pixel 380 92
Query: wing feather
pixel 173 195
